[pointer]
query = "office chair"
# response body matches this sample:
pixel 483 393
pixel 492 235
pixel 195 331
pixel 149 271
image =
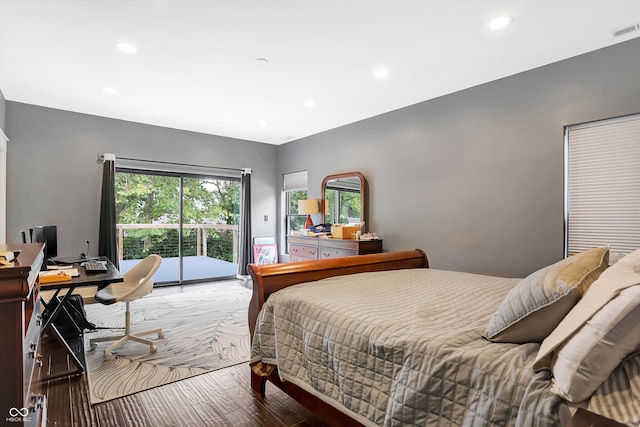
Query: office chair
pixel 137 283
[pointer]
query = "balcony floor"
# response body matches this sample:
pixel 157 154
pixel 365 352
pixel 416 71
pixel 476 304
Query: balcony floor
pixel 194 268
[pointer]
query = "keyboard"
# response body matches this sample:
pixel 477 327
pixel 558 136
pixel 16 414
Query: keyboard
pixel 93 266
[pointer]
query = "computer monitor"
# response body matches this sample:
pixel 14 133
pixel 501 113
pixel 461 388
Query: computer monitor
pixel 47 234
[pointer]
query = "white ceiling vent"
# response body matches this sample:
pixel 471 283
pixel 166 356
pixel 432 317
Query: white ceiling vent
pixel 626 30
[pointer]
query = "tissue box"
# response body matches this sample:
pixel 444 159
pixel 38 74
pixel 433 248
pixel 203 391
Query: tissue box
pixel 343 231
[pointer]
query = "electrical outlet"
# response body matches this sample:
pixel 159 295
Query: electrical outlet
pixel 266 218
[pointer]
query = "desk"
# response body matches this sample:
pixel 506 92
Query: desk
pixel 93 279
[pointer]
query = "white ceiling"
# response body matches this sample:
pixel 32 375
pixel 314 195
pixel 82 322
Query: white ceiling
pixel 196 65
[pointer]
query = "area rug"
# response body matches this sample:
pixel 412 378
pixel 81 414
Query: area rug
pixel 203 331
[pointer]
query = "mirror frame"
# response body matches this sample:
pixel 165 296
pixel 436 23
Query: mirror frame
pixel 363 192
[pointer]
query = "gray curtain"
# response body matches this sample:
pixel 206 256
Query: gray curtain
pixel 245 222
pixel 107 245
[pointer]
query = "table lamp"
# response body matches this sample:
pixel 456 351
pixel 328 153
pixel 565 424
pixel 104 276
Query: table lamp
pixel 308 207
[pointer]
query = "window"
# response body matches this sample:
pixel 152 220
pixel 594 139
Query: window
pixel 295 188
pixel 295 221
pixel 602 177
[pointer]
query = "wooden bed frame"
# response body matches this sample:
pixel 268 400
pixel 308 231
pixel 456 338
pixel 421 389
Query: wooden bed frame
pixel 268 279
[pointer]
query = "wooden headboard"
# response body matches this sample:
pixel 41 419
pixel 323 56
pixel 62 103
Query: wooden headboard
pixel 268 279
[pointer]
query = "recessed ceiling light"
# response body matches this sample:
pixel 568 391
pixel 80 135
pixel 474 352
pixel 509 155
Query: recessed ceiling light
pixel 265 123
pixel 381 73
pixel 126 48
pixel 310 103
pixel 109 90
pixel 500 22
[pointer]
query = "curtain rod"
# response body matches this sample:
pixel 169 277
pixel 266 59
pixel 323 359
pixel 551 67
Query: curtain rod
pixel 242 170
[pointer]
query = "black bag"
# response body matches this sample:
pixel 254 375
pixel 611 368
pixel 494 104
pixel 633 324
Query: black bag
pixel 72 312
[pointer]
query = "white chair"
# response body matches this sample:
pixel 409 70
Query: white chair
pixel 137 283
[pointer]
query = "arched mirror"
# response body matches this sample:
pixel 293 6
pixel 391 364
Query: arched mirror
pixel 344 198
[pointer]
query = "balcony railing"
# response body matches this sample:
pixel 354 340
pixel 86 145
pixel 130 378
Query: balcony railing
pixel 219 241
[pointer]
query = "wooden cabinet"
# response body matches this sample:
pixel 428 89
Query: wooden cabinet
pixel 306 248
pixel 21 398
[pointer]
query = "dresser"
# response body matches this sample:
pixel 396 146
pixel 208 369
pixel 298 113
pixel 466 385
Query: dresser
pixel 306 248
pixel 21 398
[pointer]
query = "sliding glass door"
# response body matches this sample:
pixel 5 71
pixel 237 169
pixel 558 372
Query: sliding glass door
pixel 210 218
pixel 191 221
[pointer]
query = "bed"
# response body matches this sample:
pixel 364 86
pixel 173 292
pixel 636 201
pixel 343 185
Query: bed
pixel 384 340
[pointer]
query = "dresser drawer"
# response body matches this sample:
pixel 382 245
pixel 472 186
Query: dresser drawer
pixel 342 244
pixel 32 358
pixel 37 416
pixel 326 253
pixel 306 248
pixel 300 251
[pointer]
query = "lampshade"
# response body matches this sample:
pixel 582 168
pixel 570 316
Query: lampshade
pixel 308 206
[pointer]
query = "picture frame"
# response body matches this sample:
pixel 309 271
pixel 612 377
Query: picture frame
pixel 264 240
pixel 265 254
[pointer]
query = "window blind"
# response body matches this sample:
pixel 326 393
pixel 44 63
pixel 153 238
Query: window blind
pixel 602 181
pixel 294 181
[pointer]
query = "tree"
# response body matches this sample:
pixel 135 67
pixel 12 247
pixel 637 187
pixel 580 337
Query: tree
pixel 155 199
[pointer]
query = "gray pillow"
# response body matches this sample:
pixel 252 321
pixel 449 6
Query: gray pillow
pixel 537 304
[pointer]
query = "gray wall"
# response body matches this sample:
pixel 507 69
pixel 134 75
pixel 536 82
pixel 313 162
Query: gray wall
pixel 475 178
pixel 54 178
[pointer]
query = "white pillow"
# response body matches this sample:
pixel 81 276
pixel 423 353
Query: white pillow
pixel 612 281
pixel 582 363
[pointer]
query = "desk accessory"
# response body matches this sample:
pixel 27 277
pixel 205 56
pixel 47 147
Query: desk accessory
pixel 6 257
pixel 93 266
pixel 53 276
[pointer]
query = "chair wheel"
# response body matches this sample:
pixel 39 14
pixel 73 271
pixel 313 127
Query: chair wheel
pixel 108 356
pixel 93 346
pixel 160 334
pixel 153 348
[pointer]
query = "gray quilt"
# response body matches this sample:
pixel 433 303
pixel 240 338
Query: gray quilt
pixel 403 348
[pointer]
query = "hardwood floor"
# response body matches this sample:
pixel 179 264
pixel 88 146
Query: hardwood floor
pixel 219 398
